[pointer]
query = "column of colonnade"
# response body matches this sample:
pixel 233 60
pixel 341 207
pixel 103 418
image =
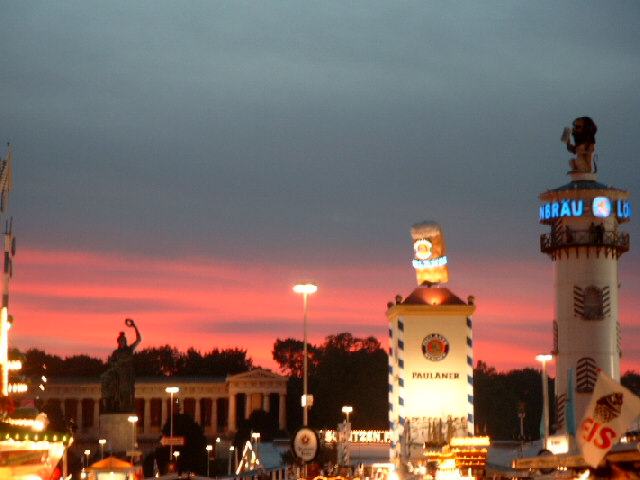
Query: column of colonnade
pixel 282 414
pixel 265 404
pixel 81 401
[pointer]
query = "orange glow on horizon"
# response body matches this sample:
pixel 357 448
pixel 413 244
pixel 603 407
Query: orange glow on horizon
pixel 207 303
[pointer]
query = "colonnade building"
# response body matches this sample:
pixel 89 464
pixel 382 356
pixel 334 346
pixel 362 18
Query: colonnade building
pixel 218 404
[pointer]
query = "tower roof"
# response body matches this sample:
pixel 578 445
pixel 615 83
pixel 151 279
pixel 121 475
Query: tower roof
pixel 583 185
pixel 425 295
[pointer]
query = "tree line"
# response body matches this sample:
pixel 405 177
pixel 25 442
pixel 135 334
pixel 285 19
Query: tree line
pixel 148 362
pixel 342 370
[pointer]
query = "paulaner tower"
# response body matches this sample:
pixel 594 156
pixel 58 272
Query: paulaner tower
pixel 584 243
pixel 430 355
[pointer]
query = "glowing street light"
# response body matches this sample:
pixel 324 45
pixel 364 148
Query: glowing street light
pixel 171 391
pixel 209 448
pixel 305 289
pixel 231 453
pixel 86 457
pixel 544 358
pixel 133 419
pixel 347 409
pixel 256 438
pixel 102 441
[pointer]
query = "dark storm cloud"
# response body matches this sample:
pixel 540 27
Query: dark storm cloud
pixel 279 127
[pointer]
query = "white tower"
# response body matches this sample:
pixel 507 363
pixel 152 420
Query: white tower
pixel 430 357
pixel 584 244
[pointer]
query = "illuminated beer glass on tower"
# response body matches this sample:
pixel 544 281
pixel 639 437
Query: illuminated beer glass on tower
pixel 429 253
pixel 584 243
pixel 431 357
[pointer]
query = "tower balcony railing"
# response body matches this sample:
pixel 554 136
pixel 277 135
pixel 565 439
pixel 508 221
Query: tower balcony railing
pixel 566 238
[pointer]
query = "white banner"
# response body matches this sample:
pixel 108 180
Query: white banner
pixel 611 410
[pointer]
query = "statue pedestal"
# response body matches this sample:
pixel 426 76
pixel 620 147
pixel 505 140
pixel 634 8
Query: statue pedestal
pixel 118 431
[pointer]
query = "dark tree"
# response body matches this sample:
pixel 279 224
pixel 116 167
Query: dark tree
pixel 230 361
pixel 38 363
pixel 631 380
pixel 294 411
pixel 193 454
pixel 499 399
pixel 527 385
pixel 344 370
pixel 258 422
pixel 495 404
pixel 355 376
pixel 84 366
pixel 167 361
pixel 56 419
pixel 156 361
pixel 289 355
pixel 190 363
pixel 149 362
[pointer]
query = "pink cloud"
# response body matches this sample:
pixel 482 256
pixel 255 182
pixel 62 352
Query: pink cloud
pixel 75 302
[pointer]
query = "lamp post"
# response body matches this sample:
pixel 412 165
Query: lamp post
pixel 544 358
pixel 209 448
pixel 256 438
pixel 171 391
pixel 176 454
pixel 102 441
pixel 305 289
pixel 86 458
pixel 231 453
pixel 347 409
pixel 133 419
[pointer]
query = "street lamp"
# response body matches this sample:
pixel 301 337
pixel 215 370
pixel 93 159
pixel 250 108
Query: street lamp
pixel 256 438
pixel 209 448
pixel 231 453
pixel 305 289
pixel 171 391
pixel 133 419
pixel 102 441
pixel 86 457
pixel 544 358
pixel 347 409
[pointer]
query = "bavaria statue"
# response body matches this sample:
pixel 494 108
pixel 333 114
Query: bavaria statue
pixel 118 382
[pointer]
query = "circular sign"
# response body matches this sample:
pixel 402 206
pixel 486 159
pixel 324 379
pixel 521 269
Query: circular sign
pixel 305 444
pixel 435 347
pixel 422 249
pixel 601 207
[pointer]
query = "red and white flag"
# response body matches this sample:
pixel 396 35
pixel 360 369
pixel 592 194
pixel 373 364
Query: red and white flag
pixel 611 410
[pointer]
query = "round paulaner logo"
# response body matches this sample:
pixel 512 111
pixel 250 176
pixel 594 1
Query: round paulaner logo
pixel 435 347
pixel 422 249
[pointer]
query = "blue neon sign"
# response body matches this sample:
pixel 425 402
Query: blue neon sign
pixel 563 208
pixel 600 207
pixel 436 262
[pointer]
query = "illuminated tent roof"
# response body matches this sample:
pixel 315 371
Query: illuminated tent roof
pixel 111 463
pixel 425 295
pixel 16 432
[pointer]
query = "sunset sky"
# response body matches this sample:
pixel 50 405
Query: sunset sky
pixel 186 163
